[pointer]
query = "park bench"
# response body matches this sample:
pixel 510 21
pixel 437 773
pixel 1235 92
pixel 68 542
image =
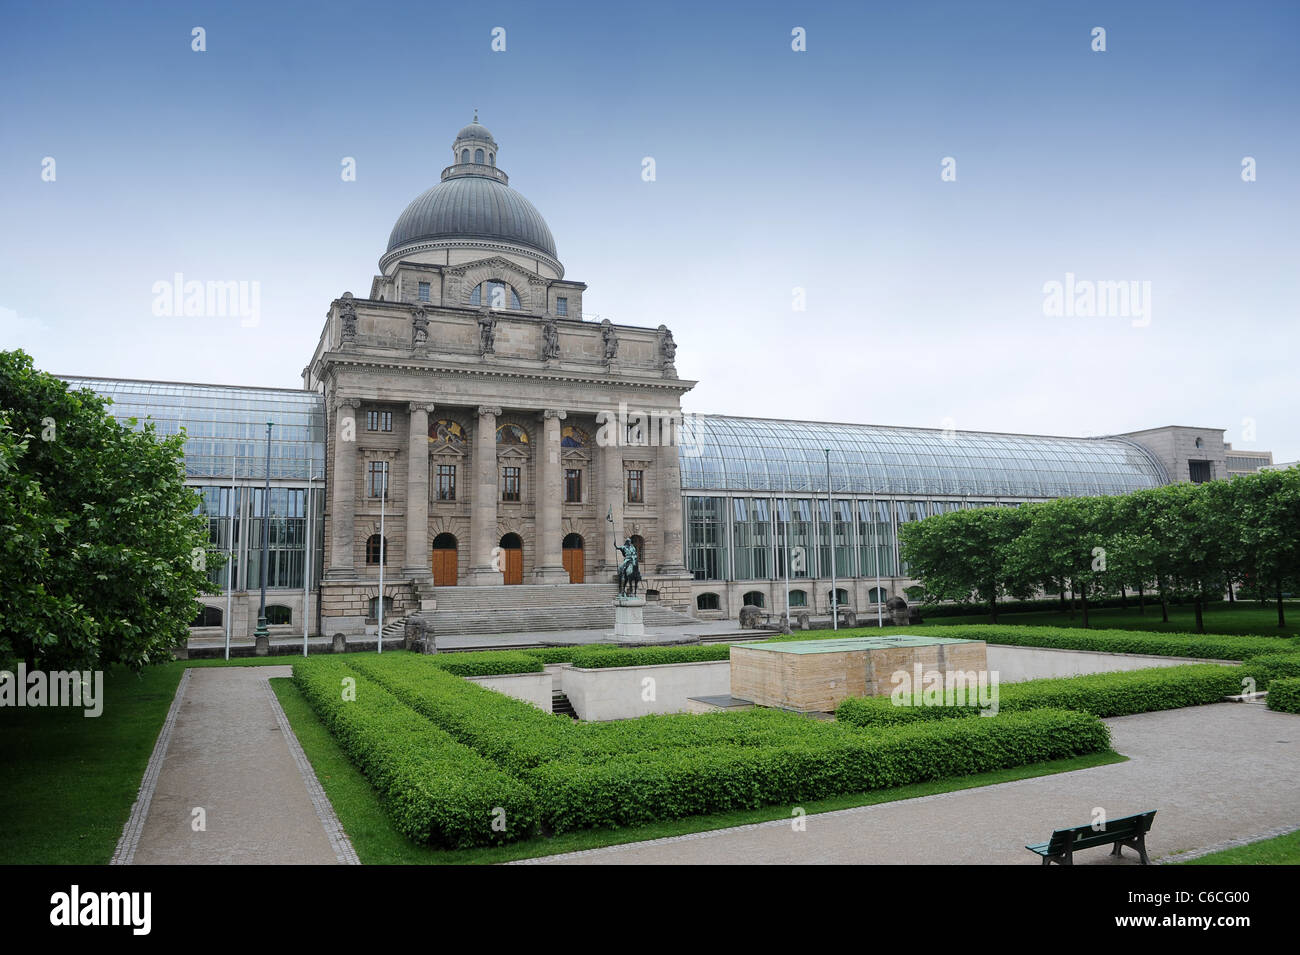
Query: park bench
pixel 1129 831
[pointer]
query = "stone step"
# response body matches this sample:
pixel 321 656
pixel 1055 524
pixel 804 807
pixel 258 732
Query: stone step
pixel 525 620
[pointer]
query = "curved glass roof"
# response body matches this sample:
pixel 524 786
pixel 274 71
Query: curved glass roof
pixel 721 453
pixel 225 425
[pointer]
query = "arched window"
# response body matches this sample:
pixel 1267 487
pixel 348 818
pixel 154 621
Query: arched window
pixel 639 543
pixel 449 432
pixel 511 434
pixel 755 598
pixel 798 598
pixel 841 597
pixel 373 612
pixel 492 159
pixel 464 155
pixel 373 545
pixel 707 602
pixel 572 542
pixel 208 617
pixel 478 156
pixel 877 595
pixel 279 614
pixel 495 295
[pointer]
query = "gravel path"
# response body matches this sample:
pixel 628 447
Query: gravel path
pixel 230 752
pixel 1220 774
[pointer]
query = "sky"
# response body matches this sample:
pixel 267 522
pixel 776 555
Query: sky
pixel 803 235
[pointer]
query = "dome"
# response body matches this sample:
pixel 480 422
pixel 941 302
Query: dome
pixel 474 203
pixel 473 207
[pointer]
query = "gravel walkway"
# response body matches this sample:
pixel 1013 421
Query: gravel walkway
pixel 227 749
pixel 1220 774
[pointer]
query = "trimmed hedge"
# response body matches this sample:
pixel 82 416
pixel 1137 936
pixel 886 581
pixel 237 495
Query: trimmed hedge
pixel 1284 696
pixel 437 790
pixel 1268 667
pixel 1204 646
pixel 485 662
pixel 1099 694
pixel 670 784
pixel 598 657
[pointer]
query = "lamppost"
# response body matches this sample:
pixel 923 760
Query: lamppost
pixel 262 636
pixel 830 504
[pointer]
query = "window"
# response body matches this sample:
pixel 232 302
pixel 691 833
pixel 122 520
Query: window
pixel 377 479
pixel 877 595
pixel 379 421
pixel 278 614
pixel 464 155
pixel 635 486
pixel 707 602
pixel 706 537
pixel 510 484
pixel 561 306
pixel 286 535
pixel 446 482
pixel 495 295
pixel 841 597
pixel 492 159
pixel 572 486
pixel 424 291
pixel 1199 471
pixel 478 156
pixel 798 598
pixel 374 607
pixel 208 617
pixel 376 547
pixel 754 598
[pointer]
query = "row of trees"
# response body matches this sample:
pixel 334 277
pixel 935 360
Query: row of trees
pixel 1186 541
pixel 102 553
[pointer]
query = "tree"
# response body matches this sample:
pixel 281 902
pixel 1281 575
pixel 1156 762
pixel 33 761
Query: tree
pixel 102 551
pixel 1065 540
pixel 964 553
pixel 1196 530
pixel 1266 508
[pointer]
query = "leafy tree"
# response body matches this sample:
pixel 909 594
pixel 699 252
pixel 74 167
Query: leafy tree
pixel 1266 510
pixel 101 549
pixel 1196 528
pixel 964 553
pixel 1064 540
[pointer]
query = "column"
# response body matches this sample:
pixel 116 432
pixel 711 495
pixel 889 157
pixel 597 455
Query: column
pixel 670 512
pixel 418 557
pixel 483 570
pixel 609 499
pixel 550 559
pixel 343 493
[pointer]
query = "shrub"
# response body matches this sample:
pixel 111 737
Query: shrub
pixel 1284 696
pixel 1268 667
pixel 485 662
pixel 1099 694
pixel 672 783
pixel 1204 646
pixel 436 790
pixel 598 657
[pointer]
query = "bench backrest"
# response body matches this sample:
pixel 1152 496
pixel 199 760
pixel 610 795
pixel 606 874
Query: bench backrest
pixel 1084 837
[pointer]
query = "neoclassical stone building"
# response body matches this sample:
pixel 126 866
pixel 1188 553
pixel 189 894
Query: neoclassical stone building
pixel 463 426
pixel 513 437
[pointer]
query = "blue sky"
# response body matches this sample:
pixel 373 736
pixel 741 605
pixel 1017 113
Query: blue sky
pixel 776 170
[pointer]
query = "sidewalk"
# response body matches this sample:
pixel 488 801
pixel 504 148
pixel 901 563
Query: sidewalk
pixel 227 749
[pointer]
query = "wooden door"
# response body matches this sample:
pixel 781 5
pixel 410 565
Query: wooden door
pixel 514 569
pixel 444 567
pixel 573 563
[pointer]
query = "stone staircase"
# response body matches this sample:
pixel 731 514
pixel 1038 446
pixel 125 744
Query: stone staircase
pixel 525 608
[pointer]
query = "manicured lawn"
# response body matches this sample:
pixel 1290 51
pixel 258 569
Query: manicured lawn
pixel 69 780
pixel 1281 850
pixel 1242 617
pixel 377 842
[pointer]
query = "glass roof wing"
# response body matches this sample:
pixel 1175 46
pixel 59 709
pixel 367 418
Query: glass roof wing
pixel 761 455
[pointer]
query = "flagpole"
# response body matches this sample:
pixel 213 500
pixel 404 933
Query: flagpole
pixel 383 498
pixel 830 505
pixel 306 570
pixel 230 554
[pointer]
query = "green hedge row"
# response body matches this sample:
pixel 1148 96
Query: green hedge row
pixel 437 790
pixel 598 657
pixel 1099 694
pixel 485 662
pixel 1284 696
pixel 1268 667
pixel 670 784
pixel 1047 605
pixel 532 660
pixel 1205 646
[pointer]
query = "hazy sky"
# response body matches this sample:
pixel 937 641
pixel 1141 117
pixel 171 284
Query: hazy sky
pixel 775 170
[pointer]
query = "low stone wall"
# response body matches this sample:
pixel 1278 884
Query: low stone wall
pixel 534 688
pixel 620 693
pixel 1017 664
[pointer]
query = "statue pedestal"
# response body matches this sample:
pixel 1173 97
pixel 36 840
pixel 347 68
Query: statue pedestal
pixel 628 622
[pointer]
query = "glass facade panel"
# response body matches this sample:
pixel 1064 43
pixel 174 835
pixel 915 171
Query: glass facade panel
pixel 752 538
pixel 706 552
